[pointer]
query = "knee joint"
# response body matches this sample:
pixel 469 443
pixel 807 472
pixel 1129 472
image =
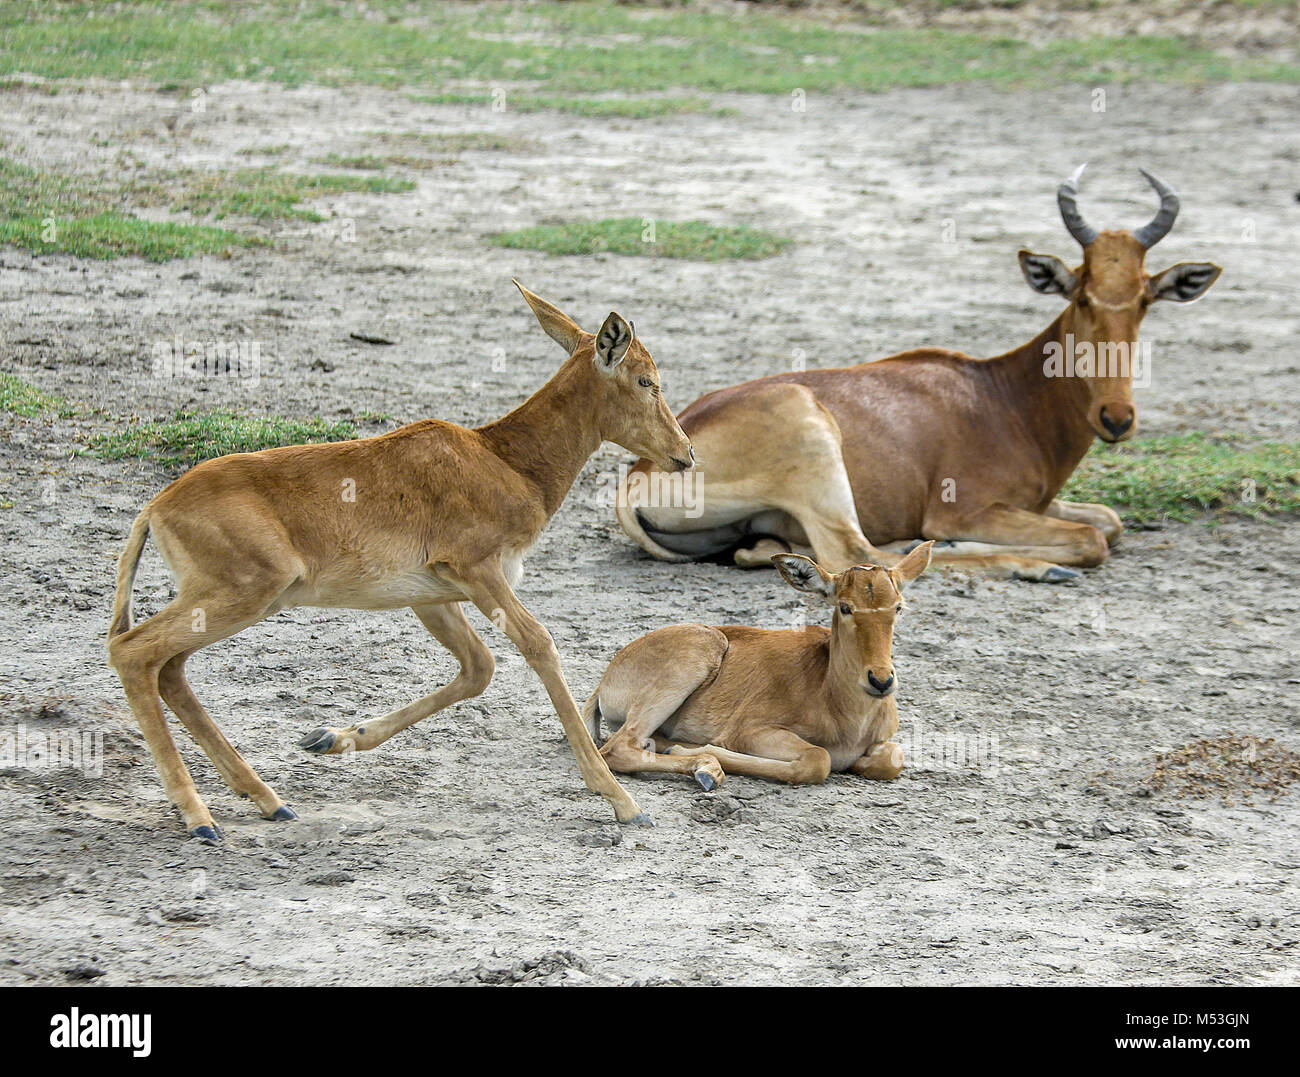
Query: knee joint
pixel 813 767
pixel 476 670
pixel 539 650
pixel 1095 548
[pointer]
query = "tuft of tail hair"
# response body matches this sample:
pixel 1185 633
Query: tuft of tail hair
pixel 126 566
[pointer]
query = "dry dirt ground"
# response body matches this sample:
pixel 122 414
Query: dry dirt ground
pixel 1016 849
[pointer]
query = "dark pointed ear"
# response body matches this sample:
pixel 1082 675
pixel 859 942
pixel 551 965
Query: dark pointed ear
pixel 1185 282
pixel 804 574
pixel 1046 273
pixel 558 325
pixel 912 565
pixel 612 342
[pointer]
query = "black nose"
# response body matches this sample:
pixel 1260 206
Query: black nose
pixel 1117 430
pixel 880 686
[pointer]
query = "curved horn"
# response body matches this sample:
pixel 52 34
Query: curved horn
pixel 1074 222
pixel 1151 234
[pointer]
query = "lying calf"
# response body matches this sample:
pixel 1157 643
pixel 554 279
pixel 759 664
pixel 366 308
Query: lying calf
pixel 790 704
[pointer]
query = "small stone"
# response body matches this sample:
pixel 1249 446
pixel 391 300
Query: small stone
pixel 332 878
pixel 713 808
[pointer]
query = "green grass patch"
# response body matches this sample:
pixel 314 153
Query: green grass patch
pixel 263 151
pixel 1179 476
pixel 191 437
pixel 264 193
pixel 635 108
pixel 19 398
pixel 364 161
pixel 117 235
pixel 564 48
pixel 45 212
pixel 695 240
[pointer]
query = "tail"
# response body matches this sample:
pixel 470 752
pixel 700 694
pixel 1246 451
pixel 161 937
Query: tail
pixel 636 530
pixel 126 566
pixel 591 715
pixel 677 546
pixel 682 545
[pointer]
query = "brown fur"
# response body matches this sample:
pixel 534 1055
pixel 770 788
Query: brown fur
pixel 792 704
pixel 928 443
pixel 428 516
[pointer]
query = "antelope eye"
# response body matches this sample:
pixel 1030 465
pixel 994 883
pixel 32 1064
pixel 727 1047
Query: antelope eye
pixel 845 608
pixel 1082 301
pixel 646 383
pixel 898 608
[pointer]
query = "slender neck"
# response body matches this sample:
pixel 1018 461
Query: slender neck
pixel 1053 411
pixel 551 435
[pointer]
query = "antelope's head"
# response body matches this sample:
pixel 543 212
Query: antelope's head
pixel 867 600
pixel 1109 294
pixel 626 401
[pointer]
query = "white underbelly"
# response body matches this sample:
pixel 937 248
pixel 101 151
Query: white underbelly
pixel 397 591
pixel 389 593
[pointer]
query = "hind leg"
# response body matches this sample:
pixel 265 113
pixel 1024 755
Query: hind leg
pixel 200 614
pixel 805 478
pixel 138 655
pixel 646 685
pixel 179 696
pixel 624 756
pixel 782 534
pixel 770 464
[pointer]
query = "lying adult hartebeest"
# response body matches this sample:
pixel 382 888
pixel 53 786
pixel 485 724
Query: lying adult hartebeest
pixel 428 516
pixel 789 704
pixel 931 443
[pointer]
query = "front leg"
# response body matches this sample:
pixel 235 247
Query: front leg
pixel 488 589
pixel 774 753
pixel 1102 517
pixel 449 626
pixel 1012 543
pixel 881 762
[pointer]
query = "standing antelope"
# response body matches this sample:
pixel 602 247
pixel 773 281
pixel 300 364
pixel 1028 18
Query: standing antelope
pixel 932 443
pixel 791 704
pixel 435 515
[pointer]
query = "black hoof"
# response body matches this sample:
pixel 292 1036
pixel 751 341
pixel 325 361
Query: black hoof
pixel 706 781
pixel 207 833
pixel 1059 574
pixel 283 812
pixel 641 819
pixel 318 740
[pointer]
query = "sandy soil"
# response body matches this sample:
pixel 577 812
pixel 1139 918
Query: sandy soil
pixel 465 850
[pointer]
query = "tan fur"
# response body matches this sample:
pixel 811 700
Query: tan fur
pixel 428 516
pixel 792 705
pixel 855 464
